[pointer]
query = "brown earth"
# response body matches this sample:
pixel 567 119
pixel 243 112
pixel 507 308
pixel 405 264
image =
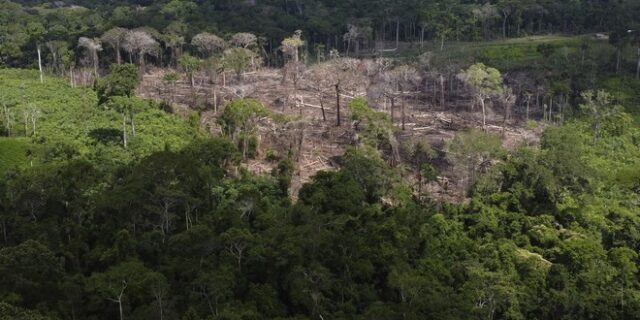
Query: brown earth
pixel 314 143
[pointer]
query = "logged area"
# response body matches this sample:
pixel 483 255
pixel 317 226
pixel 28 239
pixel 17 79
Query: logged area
pixel 319 159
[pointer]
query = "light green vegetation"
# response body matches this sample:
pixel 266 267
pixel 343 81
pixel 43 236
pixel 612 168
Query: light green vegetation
pixel 68 121
pixel 503 54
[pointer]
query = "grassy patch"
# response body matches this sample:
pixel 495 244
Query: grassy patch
pixel 71 117
pixel 509 54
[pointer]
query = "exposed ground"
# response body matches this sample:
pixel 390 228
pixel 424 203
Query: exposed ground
pixel 315 143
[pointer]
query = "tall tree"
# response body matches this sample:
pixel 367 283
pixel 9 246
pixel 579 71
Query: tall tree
pixel 114 38
pixel 93 46
pixel 140 43
pixel 486 82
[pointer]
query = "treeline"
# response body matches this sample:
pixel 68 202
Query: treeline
pixel 189 234
pixel 346 26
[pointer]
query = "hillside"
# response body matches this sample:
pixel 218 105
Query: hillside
pixel 319 159
pixel 54 118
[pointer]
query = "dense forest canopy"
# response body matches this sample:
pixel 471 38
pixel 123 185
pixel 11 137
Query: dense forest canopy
pixel 400 159
pixel 326 24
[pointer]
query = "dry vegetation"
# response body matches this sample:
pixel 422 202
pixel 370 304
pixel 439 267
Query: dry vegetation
pixel 435 107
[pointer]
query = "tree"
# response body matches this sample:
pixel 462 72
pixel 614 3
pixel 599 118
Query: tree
pixel 179 9
pixel 60 55
pixel 93 46
pixel 237 242
pixel 122 80
pixel 114 38
pixel 208 44
pixel 599 106
pixel 485 13
pixel 486 82
pixel 190 65
pixel 356 34
pixel 9 312
pixel 36 32
pixel 421 155
pixel 140 43
pixel 238 60
pixel 191 314
pixel 238 121
pixel 173 39
pixel 507 7
pixel 129 278
pixel 31 272
pixel 343 76
pixel 473 151
pixel 128 107
pixel 244 40
pixel 159 287
pixel 397 81
pixel 291 49
pixel 318 80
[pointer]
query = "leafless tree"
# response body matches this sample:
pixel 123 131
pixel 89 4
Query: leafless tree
pixel 399 83
pixel 57 48
pixel 356 35
pixel 244 40
pixel 114 38
pixel 140 43
pixel 318 80
pixel 174 42
pixel 344 76
pixel 93 46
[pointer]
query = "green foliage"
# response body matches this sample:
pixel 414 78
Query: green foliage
pixel 239 114
pixel 9 312
pixel 238 60
pixel 485 80
pixel 548 233
pixel 69 120
pixel 376 127
pixel 171 77
pixel 31 273
pixel 428 172
pixel 15 153
pixel 543 227
pixel 284 173
pixel 189 64
pixel 239 120
pixel 473 151
pixel 122 80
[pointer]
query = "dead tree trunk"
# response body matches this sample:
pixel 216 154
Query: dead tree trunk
pixel 393 105
pixel 324 115
pixel 338 104
pixel 402 108
pixel 397 33
pixel 484 115
pixel 442 98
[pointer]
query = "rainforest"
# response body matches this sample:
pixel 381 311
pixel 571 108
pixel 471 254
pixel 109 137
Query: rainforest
pixel 319 159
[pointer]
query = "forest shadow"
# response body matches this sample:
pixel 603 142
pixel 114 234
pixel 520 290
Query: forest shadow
pixel 106 135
